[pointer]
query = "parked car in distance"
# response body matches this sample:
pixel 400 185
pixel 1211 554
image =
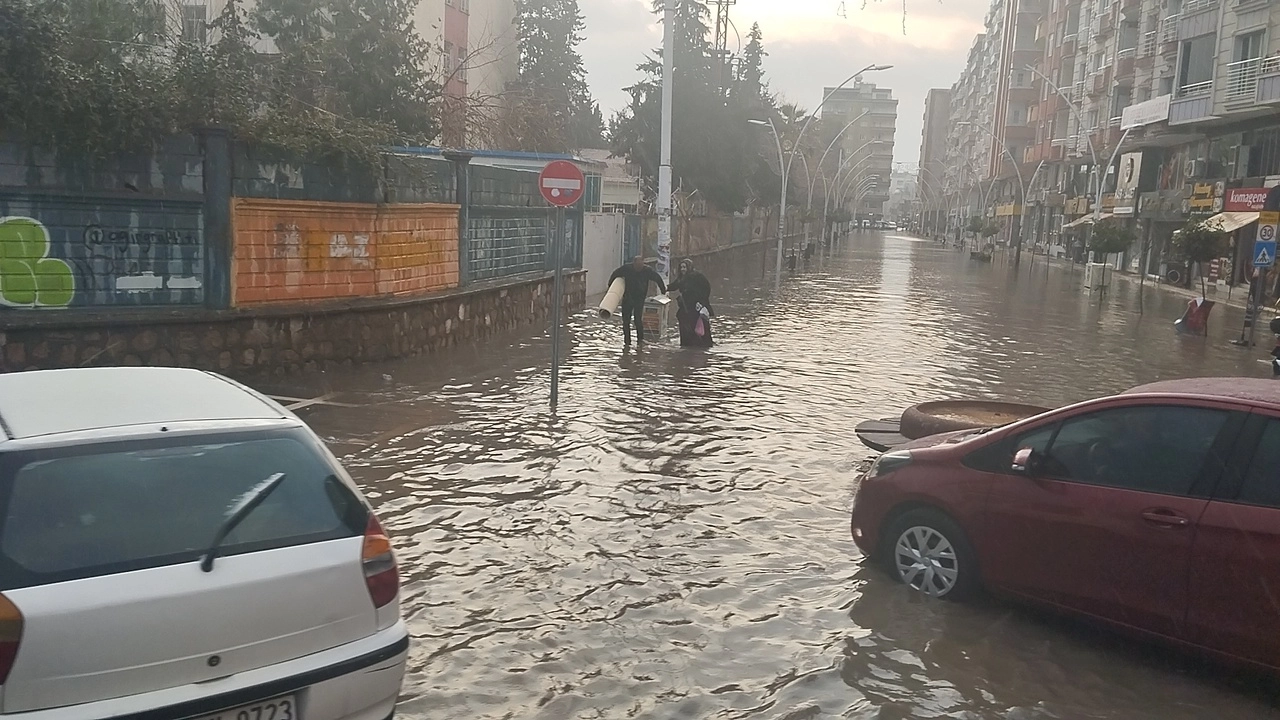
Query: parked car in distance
pixel 176 545
pixel 1156 510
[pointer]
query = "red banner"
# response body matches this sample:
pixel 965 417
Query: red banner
pixel 1245 199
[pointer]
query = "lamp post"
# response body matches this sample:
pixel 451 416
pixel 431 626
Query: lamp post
pixel 826 187
pixel 1022 188
pixel 785 163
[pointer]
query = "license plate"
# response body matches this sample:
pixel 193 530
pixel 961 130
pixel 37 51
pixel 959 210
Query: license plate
pixel 281 708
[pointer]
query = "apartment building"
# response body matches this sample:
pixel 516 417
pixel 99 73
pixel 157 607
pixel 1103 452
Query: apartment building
pixel 1166 108
pixel 933 158
pixel 867 147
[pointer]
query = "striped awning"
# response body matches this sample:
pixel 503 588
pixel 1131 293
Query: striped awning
pixel 1085 220
pixel 1231 221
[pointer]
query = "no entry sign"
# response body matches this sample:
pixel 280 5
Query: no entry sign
pixel 561 183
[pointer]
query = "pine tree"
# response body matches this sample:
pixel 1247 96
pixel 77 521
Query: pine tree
pixel 552 87
pixel 751 88
pixel 711 137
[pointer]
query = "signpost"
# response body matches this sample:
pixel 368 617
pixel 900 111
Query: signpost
pixel 562 184
pixel 1264 257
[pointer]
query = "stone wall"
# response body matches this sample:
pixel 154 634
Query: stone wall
pixel 291 250
pixel 290 338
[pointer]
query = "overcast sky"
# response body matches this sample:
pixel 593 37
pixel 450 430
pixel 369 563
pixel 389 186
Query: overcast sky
pixel 809 46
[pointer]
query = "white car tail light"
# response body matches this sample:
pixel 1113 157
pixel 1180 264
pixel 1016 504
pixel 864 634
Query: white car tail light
pixel 380 572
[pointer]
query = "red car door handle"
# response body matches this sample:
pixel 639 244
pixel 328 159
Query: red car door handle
pixel 1166 518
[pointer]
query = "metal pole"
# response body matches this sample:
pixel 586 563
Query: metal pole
pixel 557 254
pixel 664 167
pixel 784 169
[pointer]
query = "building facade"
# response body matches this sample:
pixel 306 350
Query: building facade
pixel 1151 113
pixel 930 193
pixel 866 147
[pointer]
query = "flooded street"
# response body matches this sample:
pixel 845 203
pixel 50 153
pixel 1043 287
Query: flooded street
pixel 675 542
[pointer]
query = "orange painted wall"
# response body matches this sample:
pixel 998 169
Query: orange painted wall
pixel 302 250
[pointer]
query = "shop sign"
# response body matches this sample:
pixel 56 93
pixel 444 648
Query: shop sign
pixel 1160 206
pixel 1127 183
pixel 1246 199
pixel 1201 200
pixel 1145 113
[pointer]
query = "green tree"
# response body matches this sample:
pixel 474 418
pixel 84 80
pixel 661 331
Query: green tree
pixel 714 150
pixel 552 90
pixel 1198 243
pixel 358 59
pixel 750 88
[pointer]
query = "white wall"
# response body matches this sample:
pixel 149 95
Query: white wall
pixel 492 34
pixel 601 249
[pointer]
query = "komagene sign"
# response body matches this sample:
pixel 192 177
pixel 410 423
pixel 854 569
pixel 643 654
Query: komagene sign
pixel 1245 199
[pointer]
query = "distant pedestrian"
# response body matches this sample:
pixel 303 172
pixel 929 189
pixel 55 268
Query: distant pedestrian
pixel 637 276
pixel 791 261
pixel 694 311
pixel 808 253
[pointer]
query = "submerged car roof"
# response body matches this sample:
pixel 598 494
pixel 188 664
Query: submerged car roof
pixel 48 402
pixel 1250 390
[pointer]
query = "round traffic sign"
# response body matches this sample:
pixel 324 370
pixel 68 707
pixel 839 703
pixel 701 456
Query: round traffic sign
pixel 561 183
pixel 1267 233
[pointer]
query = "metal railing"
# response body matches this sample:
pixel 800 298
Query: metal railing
pixel 1242 80
pixel 1127 53
pixel 1115 122
pixel 1194 6
pixel 1169 29
pixel 1150 43
pixel 1270 66
pixel 1199 89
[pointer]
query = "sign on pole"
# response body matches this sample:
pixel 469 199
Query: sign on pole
pixel 562 184
pixel 1264 248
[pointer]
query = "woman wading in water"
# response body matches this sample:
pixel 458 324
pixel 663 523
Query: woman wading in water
pixel 694 310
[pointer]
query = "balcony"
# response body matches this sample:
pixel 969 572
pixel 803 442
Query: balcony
pixel 1191 103
pixel 1150 44
pixel 1125 62
pixel 1191 7
pixel 1169 29
pixel 1269 80
pixel 1242 81
pixel 1199 17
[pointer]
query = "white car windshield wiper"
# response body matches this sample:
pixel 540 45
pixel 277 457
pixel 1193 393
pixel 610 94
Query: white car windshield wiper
pixel 237 513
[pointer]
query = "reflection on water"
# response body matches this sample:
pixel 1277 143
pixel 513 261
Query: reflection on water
pixel 674 544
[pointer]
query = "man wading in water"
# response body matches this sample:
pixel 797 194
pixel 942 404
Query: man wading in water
pixel 637 277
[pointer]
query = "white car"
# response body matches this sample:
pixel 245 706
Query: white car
pixel 176 545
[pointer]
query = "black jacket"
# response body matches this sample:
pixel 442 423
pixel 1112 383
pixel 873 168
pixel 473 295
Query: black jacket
pixel 694 288
pixel 637 282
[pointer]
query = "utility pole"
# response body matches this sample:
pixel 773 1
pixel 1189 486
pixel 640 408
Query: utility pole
pixel 664 166
pixel 722 55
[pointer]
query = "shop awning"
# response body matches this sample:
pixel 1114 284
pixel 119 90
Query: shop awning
pixel 1231 221
pixel 1086 220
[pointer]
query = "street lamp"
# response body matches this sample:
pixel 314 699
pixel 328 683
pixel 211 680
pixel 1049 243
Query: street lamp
pixel 784 163
pixel 826 187
pixel 1022 188
pixel 1093 153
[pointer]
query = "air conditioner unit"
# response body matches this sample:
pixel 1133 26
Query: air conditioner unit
pixel 1195 169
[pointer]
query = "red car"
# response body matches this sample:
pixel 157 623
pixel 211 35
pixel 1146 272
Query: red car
pixel 1157 510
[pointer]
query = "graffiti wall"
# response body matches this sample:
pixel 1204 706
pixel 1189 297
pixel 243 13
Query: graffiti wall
pixel 85 251
pixel 298 250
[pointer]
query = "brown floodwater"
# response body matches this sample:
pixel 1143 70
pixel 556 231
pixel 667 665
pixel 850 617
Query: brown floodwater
pixel 674 543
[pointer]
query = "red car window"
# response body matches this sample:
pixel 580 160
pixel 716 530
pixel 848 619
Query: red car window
pixel 1152 448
